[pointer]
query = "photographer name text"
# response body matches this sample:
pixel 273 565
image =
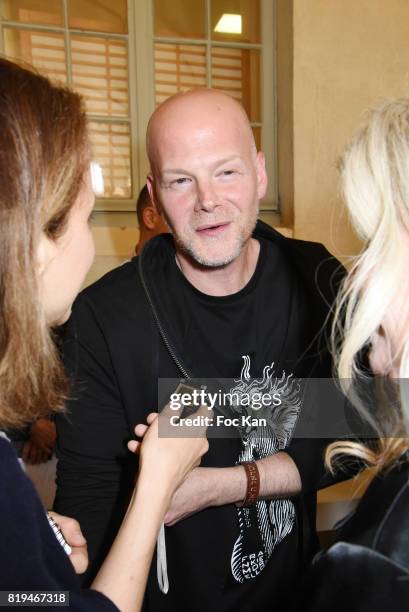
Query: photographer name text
pixel 219 420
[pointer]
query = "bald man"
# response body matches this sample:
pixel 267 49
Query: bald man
pixel 223 296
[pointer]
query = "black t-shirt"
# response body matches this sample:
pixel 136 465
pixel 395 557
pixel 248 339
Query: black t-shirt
pixel 245 557
pixel 264 321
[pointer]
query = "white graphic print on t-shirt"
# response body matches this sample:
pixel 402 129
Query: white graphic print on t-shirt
pixel 264 525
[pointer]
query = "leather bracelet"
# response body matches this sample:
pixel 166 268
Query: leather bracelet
pixel 253 483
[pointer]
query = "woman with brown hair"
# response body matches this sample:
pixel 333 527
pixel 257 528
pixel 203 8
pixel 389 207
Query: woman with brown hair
pixel 46 249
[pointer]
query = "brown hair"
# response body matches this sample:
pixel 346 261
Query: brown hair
pixel 44 154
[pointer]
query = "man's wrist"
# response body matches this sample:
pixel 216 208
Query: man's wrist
pixel 279 476
pixel 253 484
pixel 262 474
pixel 225 485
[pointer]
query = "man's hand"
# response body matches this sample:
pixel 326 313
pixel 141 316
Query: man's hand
pixel 40 445
pixel 71 531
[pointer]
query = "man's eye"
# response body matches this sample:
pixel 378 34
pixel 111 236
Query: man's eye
pixel 228 172
pixel 180 181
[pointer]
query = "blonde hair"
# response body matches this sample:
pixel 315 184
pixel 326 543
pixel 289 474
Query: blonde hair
pixel 375 181
pixel 44 154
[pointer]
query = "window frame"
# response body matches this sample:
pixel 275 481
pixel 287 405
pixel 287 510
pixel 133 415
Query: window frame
pixel 140 43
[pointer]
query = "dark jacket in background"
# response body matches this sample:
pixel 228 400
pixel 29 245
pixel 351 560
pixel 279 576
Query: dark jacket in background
pixel 368 569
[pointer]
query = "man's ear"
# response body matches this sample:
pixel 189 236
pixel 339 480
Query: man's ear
pixel 262 179
pixel 150 183
pixel 45 253
pixel 149 216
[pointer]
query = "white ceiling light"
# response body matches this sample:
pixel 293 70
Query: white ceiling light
pixel 229 24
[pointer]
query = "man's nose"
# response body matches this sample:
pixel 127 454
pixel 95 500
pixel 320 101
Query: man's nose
pixel 206 197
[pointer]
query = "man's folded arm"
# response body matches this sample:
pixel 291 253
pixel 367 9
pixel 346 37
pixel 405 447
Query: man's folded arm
pixel 298 469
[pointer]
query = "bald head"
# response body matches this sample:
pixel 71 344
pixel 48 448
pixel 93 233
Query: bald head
pixel 197 113
pixel 206 175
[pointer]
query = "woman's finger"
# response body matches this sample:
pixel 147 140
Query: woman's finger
pixel 134 445
pixel 140 430
pixel 151 417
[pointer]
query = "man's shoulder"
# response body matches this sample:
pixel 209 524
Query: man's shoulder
pixel 117 282
pixel 115 295
pixel 313 262
pixel 303 248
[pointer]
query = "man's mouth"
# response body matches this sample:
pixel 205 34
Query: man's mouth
pixel 213 229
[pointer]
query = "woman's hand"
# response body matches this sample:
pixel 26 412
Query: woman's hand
pixel 71 530
pixel 169 457
pixel 140 430
pixel 164 463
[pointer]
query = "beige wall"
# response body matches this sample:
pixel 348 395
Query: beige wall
pixel 348 55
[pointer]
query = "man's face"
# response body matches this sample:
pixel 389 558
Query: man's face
pixel 207 181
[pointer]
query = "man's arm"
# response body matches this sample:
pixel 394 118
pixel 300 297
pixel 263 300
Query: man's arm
pixel 204 487
pixel 95 471
pixel 300 468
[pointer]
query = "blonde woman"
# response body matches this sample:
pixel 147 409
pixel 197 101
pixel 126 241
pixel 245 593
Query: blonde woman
pixel 46 248
pixel 368 569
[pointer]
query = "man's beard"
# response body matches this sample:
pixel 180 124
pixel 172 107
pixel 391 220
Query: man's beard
pixel 188 247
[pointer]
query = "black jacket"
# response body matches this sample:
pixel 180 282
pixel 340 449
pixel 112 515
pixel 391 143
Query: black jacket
pixel 119 340
pixel 368 569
